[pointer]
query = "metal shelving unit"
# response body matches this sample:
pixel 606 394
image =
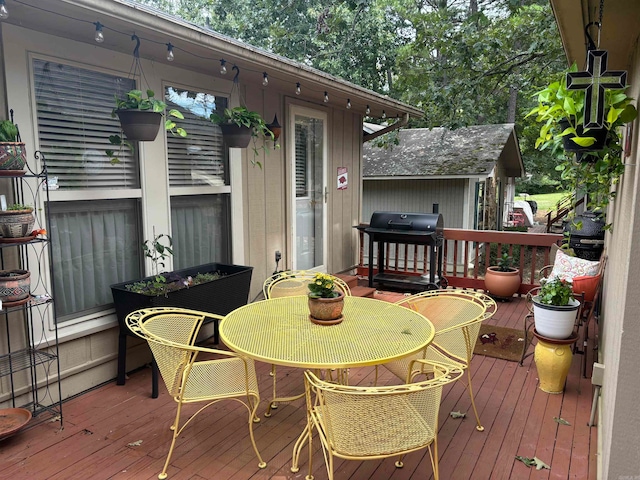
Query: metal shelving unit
pixel 29 359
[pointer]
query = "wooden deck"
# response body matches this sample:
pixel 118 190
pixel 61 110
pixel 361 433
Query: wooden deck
pixel 121 433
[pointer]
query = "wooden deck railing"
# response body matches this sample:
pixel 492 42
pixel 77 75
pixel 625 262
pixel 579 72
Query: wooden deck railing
pixel 467 254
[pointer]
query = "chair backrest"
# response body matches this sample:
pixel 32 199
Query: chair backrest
pixel 456 316
pixel 405 416
pixel 170 332
pixel 295 282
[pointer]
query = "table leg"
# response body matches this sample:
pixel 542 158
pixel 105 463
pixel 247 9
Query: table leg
pixel 274 403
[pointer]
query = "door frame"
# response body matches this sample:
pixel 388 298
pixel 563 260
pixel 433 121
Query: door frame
pixel 293 110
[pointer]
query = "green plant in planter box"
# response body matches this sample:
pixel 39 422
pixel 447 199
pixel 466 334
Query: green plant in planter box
pixel 8 132
pixel 555 291
pixel 136 100
pixel 243 117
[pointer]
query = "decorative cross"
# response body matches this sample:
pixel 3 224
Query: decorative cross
pixel 595 81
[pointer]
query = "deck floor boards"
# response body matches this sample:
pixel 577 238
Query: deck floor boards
pixel 518 417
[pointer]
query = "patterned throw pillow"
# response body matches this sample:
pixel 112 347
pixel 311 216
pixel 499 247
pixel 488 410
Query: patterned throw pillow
pixel 567 267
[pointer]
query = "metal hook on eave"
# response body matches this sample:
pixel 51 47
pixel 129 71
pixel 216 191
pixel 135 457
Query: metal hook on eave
pixel 136 50
pixel 591 44
pixel 235 78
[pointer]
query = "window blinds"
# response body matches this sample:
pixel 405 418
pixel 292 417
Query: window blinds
pixel 74 124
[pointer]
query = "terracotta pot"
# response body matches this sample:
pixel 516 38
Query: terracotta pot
pixel 140 125
pixel 16 223
pixel 502 284
pixel 326 308
pixel 14 285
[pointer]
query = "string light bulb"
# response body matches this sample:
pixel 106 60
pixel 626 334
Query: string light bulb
pixel 265 79
pixel 99 33
pixel 170 55
pixel 223 66
pixel 326 97
pixel 368 110
pixel 348 103
pixel 384 115
pixel 297 88
pixel 4 13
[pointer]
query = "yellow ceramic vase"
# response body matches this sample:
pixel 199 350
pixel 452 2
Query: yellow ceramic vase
pixel 553 360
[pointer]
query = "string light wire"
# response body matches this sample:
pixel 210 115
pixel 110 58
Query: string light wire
pixel 99 27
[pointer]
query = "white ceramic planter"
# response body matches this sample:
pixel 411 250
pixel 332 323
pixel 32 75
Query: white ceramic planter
pixel 554 321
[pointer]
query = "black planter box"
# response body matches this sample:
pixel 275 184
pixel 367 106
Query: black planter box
pixel 219 296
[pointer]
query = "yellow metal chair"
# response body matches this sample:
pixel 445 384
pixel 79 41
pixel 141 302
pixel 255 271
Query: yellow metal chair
pixel 456 316
pixel 289 284
pixel 365 423
pixel 171 333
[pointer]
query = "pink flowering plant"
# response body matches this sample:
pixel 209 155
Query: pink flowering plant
pixel 322 286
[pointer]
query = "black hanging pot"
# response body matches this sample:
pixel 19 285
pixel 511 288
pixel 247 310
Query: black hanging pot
pixel 600 134
pixel 140 125
pixel 235 136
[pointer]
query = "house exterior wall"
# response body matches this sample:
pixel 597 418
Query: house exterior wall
pixel 418 196
pixel 259 205
pixel 619 425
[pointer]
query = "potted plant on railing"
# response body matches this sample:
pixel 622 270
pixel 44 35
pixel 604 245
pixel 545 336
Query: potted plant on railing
pixel 13 155
pixel 239 126
pixel 140 117
pixel 502 280
pixel 325 302
pixel 555 308
pixel 213 287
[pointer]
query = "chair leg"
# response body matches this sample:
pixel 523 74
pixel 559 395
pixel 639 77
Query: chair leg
pixel 479 426
pixel 176 432
pixel 434 458
pixel 310 475
pixel 252 418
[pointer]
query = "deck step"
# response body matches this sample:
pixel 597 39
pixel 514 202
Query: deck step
pixel 350 280
pixel 359 291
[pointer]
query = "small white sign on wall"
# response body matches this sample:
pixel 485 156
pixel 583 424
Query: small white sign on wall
pixel 343 179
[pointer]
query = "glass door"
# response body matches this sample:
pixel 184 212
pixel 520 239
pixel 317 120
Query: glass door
pixel 307 151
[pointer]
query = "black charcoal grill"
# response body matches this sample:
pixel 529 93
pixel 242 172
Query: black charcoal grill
pixel 409 228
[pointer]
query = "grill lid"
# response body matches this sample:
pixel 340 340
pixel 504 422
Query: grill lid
pixel 407 223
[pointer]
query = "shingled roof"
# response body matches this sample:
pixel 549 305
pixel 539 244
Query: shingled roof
pixel 466 152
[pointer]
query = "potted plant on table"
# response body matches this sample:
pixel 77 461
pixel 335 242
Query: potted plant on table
pixel 502 280
pixel 325 302
pixel 239 126
pixel 555 308
pixel 13 155
pixel 140 116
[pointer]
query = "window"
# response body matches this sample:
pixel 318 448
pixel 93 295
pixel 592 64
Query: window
pixel 199 182
pixel 95 239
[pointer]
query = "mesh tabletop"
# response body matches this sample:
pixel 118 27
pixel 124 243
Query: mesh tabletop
pixel 279 331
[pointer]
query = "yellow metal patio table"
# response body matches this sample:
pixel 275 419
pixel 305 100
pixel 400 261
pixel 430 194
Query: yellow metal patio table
pixel 278 331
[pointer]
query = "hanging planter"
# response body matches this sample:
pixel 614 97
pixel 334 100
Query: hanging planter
pixel 235 136
pixel 598 134
pixel 140 125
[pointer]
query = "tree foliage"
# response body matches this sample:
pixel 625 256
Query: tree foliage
pixel 463 62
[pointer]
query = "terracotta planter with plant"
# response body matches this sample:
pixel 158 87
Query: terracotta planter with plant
pixel 325 303
pixel 502 280
pixel 555 309
pixel 17 221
